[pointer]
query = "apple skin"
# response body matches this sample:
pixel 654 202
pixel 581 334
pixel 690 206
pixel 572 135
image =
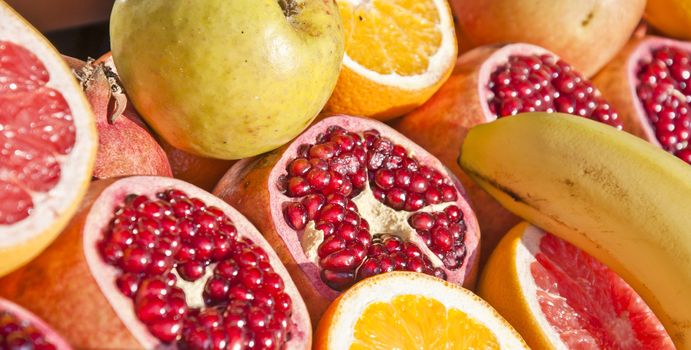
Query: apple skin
pixel 227 79
pixel 585 33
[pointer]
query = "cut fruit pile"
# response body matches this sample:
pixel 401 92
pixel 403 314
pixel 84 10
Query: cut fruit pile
pixel 407 310
pixel 324 219
pixel 398 53
pixel 47 142
pixel 557 296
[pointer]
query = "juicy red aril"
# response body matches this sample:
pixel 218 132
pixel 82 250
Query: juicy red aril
pixel 664 90
pixel 156 241
pixel 546 84
pixel 330 173
pixel 19 334
pixel 390 253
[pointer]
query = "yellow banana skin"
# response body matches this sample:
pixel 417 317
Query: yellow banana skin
pixel 622 200
pixel 672 17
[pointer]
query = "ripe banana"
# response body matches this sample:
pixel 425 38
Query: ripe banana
pixel 672 17
pixel 622 200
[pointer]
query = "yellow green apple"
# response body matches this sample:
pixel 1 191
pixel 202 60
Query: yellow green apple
pixel 227 79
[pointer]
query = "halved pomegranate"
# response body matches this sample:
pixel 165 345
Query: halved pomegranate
pixel 22 330
pixel 151 262
pixel 649 82
pixel 491 82
pixel 351 198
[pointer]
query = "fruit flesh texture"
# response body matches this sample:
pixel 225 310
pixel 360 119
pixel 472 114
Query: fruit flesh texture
pixel 532 83
pixel 272 75
pixel 588 304
pixel 18 334
pixel 664 91
pixel 608 212
pixel 412 47
pixel 165 246
pixel 418 322
pixel 37 129
pixel 341 168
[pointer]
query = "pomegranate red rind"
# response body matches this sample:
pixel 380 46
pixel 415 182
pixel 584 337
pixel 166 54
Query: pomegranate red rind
pixel 254 183
pixel 73 272
pixel 619 81
pixel 49 339
pixel 440 125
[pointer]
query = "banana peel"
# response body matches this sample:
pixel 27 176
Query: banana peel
pixel 622 200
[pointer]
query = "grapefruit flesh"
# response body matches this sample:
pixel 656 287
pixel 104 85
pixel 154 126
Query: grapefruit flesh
pixel 588 305
pixel 36 131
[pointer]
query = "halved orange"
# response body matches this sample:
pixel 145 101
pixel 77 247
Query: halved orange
pixel 47 142
pixel 559 297
pixel 408 310
pixel 398 53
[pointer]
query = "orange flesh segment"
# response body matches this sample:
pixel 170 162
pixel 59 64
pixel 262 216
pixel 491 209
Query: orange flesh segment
pixel 393 36
pixel 411 322
pixel 589 305
pixel 36 128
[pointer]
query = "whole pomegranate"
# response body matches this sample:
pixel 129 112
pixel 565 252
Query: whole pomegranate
pixel 585 33
pixel 152 262
pixel 351 198
pixel 126 145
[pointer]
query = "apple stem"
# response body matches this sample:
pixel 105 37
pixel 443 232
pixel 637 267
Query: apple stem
pixel 289 7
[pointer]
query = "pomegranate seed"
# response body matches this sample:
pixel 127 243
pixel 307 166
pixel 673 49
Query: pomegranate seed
pixel 150 309
pixel 298 167
pixel 297 187
pixel 191 270
pixel 339 261
pixel 312 203
pixel 337 280
pixel 421 221
pixel 396 198
pixel 318 179
pixel 295 215
pixel 135 259
pixel 332 213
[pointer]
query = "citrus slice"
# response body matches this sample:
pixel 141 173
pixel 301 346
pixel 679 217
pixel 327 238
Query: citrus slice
pixel 47 141
pixel 559 297
pixel 409 310
pixel 398 53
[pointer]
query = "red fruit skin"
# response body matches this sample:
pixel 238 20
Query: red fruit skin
pixel 126 144
pixel 246 187
pixel 78 311
pixel 617 83
pixel 441 124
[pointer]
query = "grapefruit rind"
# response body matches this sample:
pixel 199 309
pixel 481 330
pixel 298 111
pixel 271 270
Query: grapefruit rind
pixel 527 247
pixel 344 313
pixel 23 240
